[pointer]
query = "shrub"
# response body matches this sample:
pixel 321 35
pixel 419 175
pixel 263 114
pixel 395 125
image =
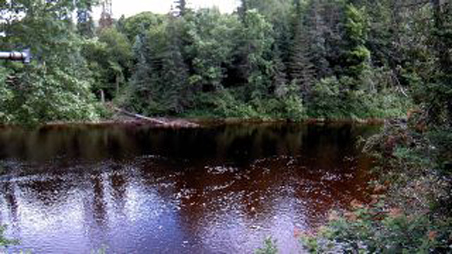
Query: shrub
pixel 5 241
pixel 269 247
pixel 378 229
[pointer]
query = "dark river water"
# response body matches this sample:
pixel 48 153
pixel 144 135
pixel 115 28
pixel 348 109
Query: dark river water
pixel 137 189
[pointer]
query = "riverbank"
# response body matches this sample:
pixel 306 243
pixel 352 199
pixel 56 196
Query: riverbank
pixel 174 122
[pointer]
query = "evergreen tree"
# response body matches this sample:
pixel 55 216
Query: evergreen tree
pixel 175 72
pixel 301 70
pixel 142 76
pixel 85 23
pixel 357 56
pixel 181 6
pixel 243 9
pixel 161 76
pixel 315 33
pixel 279 73
pixel 438 93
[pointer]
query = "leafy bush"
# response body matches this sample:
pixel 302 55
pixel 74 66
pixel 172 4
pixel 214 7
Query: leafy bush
pixel 377 229
pixel 414 168
pixel 4 241
pixel 269 247
pixel 327 100
pixel 335 99
pixel 35 93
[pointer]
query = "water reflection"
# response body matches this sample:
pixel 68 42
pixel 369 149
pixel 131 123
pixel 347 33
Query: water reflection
pixel 137 189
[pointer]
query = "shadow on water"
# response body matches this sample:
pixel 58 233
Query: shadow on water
pixel 137 189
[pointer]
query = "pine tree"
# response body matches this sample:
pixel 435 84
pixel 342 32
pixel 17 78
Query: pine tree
pixel 278 72
pixel 174 71
pixel 439 99
pixel 242 9
pixel 85 23
pixel 181 6
pixel 143 75
pixel 357 55
pixel 301 69
pixel 315 29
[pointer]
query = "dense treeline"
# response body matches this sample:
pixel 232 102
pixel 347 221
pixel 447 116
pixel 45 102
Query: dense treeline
pixel 277 59
pixel 269 59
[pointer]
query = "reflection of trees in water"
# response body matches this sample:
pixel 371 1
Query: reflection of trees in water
pixel 47 192
pixel 118 186
pixel 236 143
pixel 99 206
pixel 72 142
pixel 9 194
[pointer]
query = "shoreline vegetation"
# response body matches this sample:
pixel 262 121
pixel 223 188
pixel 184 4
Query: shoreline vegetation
pixel 269 59
pixel 176 122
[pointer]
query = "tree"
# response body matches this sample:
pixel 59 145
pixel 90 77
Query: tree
pixel 144 21
pixel 357 56
pixel 438 93
pixel 56 86
pixel 160 78
pixel 278 13
pixel 315 31
pixel 210 42
pixel 279 77
pixel 85 23
pixel 181 6
pixel 301 70
pixel 111 58
pixel 255 47
pixel 243 9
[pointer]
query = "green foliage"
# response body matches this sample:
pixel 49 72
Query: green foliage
pixel 160 81
pixel 47 94
pixel 415 160
pixel 326 99
pixel 229 104
pixel 300 68
pixel 292 104
pixel 141 22
pixel 271 59
pixel 4 241
pixel 269 247
pixel 347 98
pixel 377 229
pixel 357 57
pixel 256 46
pixel 210 42
pixel 56 86
pixel 110 58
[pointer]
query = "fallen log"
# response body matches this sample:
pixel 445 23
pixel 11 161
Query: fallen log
pixel 127 113
pixel 177 123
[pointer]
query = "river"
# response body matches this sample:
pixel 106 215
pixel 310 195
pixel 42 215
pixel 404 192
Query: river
pixel 129 188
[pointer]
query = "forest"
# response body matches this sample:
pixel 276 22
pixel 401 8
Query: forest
pixel 270 59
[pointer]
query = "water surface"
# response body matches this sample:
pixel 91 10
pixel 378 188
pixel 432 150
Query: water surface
pixel 137 189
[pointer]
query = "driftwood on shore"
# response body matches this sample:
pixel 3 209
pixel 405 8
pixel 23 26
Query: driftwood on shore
pixel 160 122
